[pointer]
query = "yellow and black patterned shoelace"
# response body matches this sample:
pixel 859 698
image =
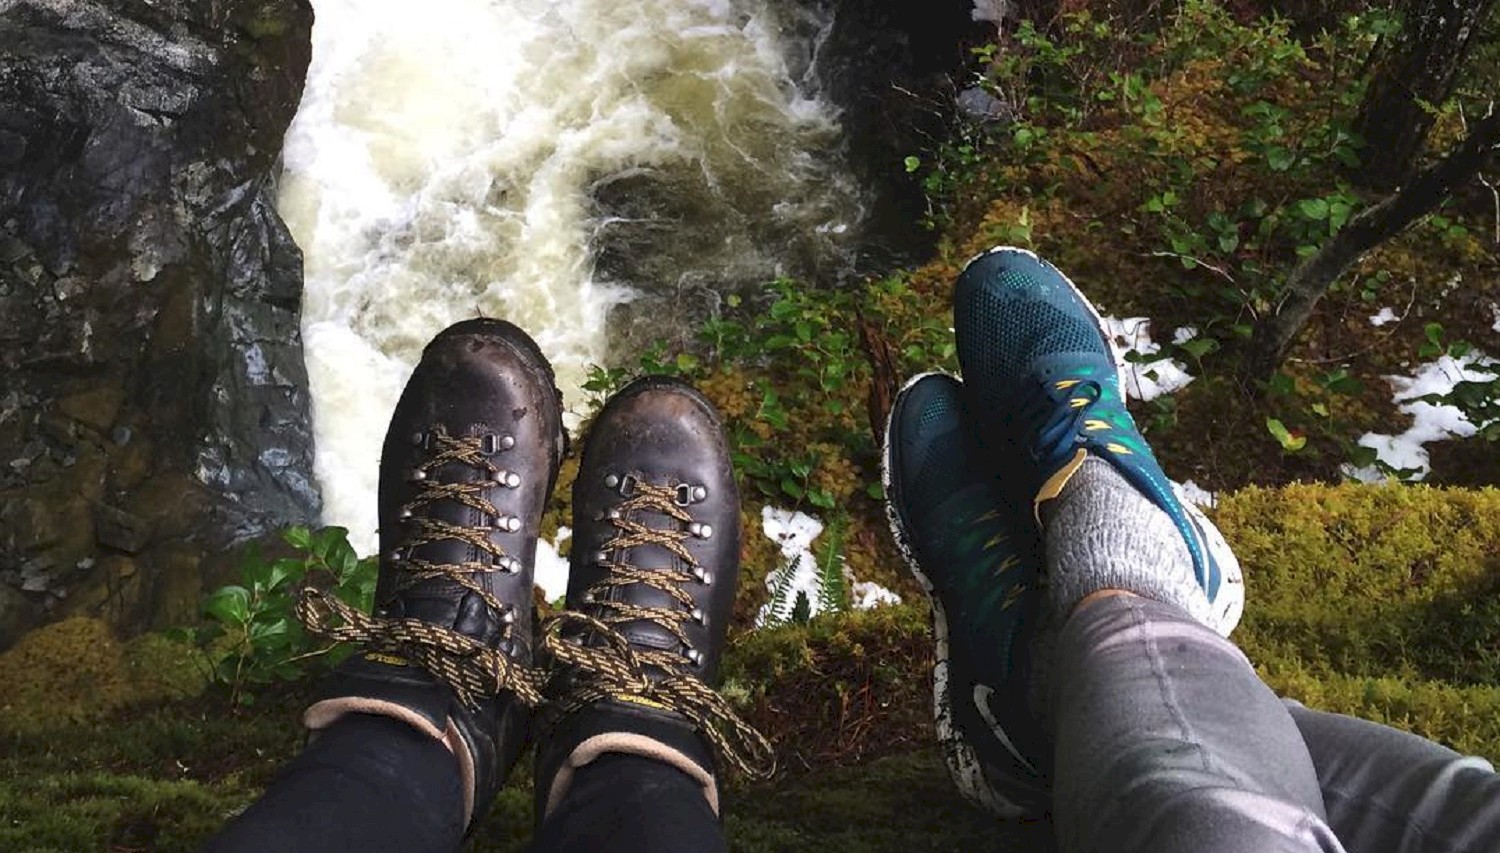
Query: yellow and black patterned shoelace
pixel 473 669
pixel 651 677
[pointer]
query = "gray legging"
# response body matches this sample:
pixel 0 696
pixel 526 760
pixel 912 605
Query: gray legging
pixel 1168 741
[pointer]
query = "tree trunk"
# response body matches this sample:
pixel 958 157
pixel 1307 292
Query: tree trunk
pixel 1373 226
pixel 1415 72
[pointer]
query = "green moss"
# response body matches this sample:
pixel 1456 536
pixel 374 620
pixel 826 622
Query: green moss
pixel 1371 581
pixel 75 671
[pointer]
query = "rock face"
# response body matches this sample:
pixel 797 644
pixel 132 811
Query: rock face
pixel 153 410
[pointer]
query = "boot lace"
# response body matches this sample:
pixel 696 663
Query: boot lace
pixel 654 677
pixel 472 668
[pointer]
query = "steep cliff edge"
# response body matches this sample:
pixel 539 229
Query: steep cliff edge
pixel 154 407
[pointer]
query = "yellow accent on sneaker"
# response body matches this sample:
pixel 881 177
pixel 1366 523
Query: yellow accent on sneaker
pixel 1054 485
pixel 1079 402
pixel 1095 425
pixel 1067 383
pixel 1120 449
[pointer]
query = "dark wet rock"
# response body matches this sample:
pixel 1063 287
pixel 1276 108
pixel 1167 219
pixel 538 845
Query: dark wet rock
pixel 17 615
pixel 155 400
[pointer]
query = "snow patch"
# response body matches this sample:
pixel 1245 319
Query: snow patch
pixel 1430 422
pixel 552 566
pixel 1495 309
pixel 1145 381
pixel 1190 492
pixel 1386 315
pixel 794 533
pixel 868 594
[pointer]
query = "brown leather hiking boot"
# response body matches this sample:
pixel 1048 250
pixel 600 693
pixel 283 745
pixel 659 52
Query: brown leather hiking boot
pixel 468 464
pixel 655 558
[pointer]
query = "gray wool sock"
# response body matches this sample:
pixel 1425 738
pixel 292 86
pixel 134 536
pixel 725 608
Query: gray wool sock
pixel 1104 534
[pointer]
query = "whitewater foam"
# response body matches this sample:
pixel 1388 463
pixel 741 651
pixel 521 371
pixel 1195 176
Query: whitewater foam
pixel 446 160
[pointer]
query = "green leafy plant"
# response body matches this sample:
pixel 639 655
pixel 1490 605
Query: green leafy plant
pixel 254 636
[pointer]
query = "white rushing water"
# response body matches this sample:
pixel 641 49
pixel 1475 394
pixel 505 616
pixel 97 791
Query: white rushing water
pixel 449 157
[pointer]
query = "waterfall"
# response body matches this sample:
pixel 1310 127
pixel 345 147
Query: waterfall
pixel 549 162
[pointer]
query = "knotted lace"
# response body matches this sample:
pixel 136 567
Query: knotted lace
pixel 653 677
pixel 473 669
pixel 1065 417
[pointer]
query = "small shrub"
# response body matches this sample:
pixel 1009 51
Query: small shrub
pixel 255 637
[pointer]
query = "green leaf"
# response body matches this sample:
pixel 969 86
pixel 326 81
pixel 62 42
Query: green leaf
pixel 1434 333
pixel 229 604
pixel 1314 208
pixel 875 491
pixel 298 537
pixel 285 570
pixel 1280 158
pixel 792 488
pixel 1290 442
pixel 686 362
pixel 912 164
pixel 1199 347
pixel 324 541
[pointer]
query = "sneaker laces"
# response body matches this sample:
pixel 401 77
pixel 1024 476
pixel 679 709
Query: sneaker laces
pixel 474 669
pixel 1065 417
pixel 653 677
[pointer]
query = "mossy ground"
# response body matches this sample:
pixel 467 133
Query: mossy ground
pixel 1374 601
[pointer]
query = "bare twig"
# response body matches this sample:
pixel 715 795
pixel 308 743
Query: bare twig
pixel 1199 261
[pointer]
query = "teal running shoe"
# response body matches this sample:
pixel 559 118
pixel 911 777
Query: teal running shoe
pixel 1037 365
pixel 977 553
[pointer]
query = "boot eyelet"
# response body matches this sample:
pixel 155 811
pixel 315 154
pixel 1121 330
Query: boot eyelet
pixel 698 616
pixel 695 656
pixel 704 576
pixel 417 475
pixel 684 494
pixel 405 514
pixel 702 531
pixel 508 524
pixel 419 439
pixel 627 485
pixel 508 617
pixel 509 565
pixel 611 481
pixel 601 558
pixel 396 554
pixel 508 479
pixel 700 494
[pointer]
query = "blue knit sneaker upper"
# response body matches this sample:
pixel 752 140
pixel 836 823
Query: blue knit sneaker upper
pixel 1038 366
pixel 975 547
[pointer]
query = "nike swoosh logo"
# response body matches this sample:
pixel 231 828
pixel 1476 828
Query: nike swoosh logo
pixel 982 695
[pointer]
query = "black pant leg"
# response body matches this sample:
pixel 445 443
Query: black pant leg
pixel 369 784
pixel 627 803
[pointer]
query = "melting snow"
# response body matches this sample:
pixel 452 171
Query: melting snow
pixel 794 532
pixel 1429 422
pixel 1386 315
pixel 1145 381
pixel 551 566
pixel 1190 492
